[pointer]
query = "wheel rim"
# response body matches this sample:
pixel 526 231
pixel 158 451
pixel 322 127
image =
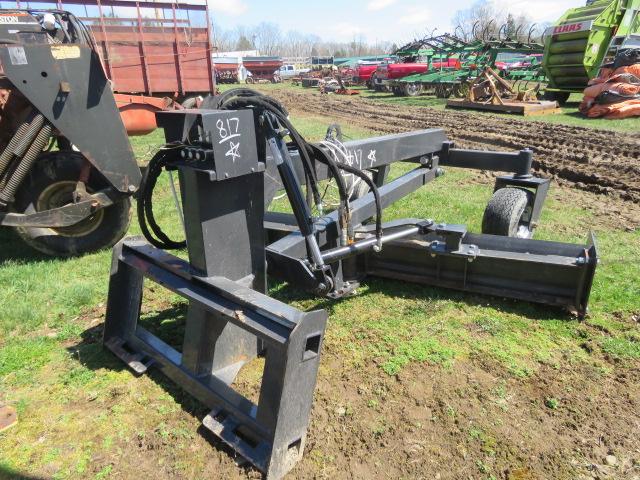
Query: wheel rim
pixel 523 224
pixel 60 194
pixel 413 89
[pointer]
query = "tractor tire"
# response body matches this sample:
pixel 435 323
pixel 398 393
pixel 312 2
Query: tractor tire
pixel 250 81
pixel 398 91
pixel 507 213
pixel 560 97
pixel 51 184
pixel 413 89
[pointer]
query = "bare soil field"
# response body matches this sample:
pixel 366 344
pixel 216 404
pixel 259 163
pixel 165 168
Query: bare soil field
pixel 594 160
pixel 474 420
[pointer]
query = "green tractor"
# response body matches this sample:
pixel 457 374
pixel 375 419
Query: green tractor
pixel 582 40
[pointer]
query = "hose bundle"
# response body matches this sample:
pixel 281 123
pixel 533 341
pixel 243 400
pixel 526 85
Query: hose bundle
pixel 263 106
pixel 247 98
pixel 242 98
pixel 146 218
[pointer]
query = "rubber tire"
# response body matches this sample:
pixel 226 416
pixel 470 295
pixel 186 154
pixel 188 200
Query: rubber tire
pixel 65 166
pixel 504 212
pixel 409 91
pixel 560 97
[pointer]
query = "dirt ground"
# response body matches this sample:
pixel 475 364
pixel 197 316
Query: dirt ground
pixel 594 160
pixel 471 421
pixel 444 424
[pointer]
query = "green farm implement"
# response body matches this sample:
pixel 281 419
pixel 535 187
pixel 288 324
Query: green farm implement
pixel 515 60
pixel 582 40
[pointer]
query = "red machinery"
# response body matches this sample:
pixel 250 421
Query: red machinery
pixel 226 69
pixel 156 54
pixel 364 72
pixel 263 69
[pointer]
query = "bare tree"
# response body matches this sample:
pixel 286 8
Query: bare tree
pixel 476 22
pixel 223 40
pixel 483 21
pixel 267 38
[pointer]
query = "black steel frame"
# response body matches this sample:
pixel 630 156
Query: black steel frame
pixel 234 242
pixel 436 254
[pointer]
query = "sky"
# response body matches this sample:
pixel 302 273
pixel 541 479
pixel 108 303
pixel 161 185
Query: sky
pixel 390 20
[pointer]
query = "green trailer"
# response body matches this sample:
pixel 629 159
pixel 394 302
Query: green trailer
pixel 582 40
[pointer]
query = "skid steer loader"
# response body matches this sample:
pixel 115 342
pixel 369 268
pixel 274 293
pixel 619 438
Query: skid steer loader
pixel 67 169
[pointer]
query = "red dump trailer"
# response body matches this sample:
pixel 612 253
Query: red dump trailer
pixel 227 69
pixel 156 54
pixel 264 69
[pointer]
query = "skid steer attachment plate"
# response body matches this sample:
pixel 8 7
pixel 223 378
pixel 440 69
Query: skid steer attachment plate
pixel 70 89
pixel 223 314
pixel 230 320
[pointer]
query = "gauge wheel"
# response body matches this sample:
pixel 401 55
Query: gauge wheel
pixel 508 213
pixel 51 184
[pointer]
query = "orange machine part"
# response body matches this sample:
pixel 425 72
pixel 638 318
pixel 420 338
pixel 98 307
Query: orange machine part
pixel 138 112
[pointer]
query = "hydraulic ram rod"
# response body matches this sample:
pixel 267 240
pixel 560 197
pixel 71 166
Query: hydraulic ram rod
pixel 362 246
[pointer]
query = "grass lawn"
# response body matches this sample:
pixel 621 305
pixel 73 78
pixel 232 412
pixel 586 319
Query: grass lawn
pixel 80 410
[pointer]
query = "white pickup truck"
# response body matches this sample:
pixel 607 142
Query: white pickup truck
pixel 290 71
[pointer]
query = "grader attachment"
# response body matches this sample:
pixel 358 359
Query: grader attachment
pixel 232 157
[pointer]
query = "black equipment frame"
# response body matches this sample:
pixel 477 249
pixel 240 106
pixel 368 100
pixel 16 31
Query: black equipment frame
pixel 436 254
pixel 234 242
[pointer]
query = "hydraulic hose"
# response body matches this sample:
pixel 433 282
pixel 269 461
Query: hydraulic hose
pixel 146 219
pixel 247 98
pixel 376 194
pixel 243 98
pixel 344 213
pixel 25 164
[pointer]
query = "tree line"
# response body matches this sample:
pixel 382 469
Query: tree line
pixel 481 21
pixel 270 40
